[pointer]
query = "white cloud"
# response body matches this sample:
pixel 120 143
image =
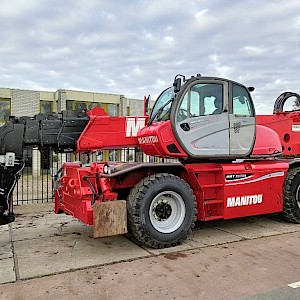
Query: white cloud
pixel 137 71
pixel 201 13
pixel 111 83
pixel 108 16
pixel 254 51
pixel 137 47
pixel 168 40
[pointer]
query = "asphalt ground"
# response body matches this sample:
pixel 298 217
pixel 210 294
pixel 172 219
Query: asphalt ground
pixel 44 255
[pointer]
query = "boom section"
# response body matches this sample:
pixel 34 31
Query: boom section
pixel 108 132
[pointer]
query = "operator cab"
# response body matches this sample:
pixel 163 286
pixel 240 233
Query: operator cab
pixel 208 117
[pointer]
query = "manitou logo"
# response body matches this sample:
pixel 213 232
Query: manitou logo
pixel 148 139
pixel 133 125
pixel 244 200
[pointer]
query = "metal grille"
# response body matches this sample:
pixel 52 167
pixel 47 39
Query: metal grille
pixel 37 179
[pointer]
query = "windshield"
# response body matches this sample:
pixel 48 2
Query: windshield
pixel 162 106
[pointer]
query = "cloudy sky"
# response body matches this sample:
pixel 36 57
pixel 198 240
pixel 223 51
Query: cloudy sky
pixel 136 47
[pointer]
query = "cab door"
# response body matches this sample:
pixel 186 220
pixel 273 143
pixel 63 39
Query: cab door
pixel 241 121
pixel 202 120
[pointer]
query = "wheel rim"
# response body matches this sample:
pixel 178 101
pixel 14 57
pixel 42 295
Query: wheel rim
pixel 298 196
pixel 167 212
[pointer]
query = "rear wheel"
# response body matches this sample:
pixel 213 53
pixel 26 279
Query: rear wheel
pixel 291 196
pixel 161 210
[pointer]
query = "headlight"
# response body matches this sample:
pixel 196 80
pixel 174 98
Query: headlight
pixel 106 169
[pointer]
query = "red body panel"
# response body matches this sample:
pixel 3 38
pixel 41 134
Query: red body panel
pixel 264 186
pixel 287 126
pixel 158 140
pixel 267 142
pixel 106 132
pixel 78 187
pixel 223 191
pixel 280 132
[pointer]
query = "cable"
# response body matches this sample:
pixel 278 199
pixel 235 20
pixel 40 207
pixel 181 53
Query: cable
pixel 95 195
pixel 13 186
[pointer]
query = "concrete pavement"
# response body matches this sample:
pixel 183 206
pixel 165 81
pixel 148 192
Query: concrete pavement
pixel 41 243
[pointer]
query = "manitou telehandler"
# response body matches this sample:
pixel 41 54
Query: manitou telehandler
pixel 231 163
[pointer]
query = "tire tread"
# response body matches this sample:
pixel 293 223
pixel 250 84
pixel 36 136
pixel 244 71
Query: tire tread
pixel 135 200
pixel 291 211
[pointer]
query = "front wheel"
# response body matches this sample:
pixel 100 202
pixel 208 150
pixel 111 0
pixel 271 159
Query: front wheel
pixel 291 196
pixel 161 210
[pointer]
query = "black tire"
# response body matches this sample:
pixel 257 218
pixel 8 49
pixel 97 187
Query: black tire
pixel 161 210
pixel 291 196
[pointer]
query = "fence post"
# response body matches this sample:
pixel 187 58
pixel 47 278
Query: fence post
pixel 36 162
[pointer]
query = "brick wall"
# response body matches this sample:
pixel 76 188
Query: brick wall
pixel 123 105
pixel 62 100
pixel 136 107
pixel 25 103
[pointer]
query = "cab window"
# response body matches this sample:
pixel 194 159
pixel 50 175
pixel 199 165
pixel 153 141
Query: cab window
pixel 241 101
pixel 200 100
pixel 162 108
pixel 182 113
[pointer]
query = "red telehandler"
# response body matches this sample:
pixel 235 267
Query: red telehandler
pixel 230 162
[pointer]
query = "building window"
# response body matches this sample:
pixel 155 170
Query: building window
pixel 80 105
pixel 110 108
pixel 46 106
pixel 94 104
pixel 113 155
pixel 69 104
pixel 113 110
pixel 4 110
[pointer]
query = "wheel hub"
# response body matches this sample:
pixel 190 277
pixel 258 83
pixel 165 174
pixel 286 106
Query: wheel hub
pixel 162 210
pixel 167 211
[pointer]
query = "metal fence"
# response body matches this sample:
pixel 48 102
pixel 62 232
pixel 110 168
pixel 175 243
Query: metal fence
pixel 37 180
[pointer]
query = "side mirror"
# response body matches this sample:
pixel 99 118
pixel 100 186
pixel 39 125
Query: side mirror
pixel 146 105
pixel 251 88
pixel 177 85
